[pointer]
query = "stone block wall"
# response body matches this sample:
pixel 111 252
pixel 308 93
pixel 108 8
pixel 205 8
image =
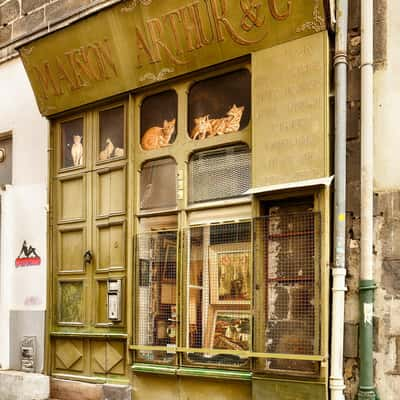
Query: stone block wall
pixel 20 19
pixel 387 231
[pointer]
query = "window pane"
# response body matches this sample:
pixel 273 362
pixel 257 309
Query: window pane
pixel 111 134
pixel 156 294
pixel 72 142
pixel 219 174
pixel 6 161
pixel 158 184
pixel 219 312
pixel 158 120
pixel 289 255
pixel 220 105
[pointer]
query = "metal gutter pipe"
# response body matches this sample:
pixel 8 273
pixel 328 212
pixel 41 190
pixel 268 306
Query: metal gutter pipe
pixel 367 284
pixel 336 381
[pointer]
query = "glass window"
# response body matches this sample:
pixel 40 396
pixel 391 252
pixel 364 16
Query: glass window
pixel 111 126
pixel 73 147
pixel 219 106
pixel 6 160
pixel 158 120
pixel 158 184
pixel 219 174
pixel 156 294
pixel 219 311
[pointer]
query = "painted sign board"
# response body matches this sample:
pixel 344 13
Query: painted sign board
pixel 139 42
pixel 290 111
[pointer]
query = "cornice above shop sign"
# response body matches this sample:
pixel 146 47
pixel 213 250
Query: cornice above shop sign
pixel 139 42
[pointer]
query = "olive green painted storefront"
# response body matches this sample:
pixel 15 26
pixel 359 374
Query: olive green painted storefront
pixel 190 200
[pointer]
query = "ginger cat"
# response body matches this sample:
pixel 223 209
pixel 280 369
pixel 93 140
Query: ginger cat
pixel 77 150
pixel 205 127
pixel 235 116
pixel 201 128
pixel 157 137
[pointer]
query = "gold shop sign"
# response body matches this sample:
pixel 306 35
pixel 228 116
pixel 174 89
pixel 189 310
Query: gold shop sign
pixel 139 42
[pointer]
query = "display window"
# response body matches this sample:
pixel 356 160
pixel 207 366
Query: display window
pixel 220 105
pixel 72 144
pixel 158 184
pixel 158 120
pixel 111 131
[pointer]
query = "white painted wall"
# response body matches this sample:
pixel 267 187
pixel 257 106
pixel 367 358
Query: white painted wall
pixel 23 209
pixel 387 106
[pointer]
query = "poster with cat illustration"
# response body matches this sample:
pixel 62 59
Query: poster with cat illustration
pixel 158 121
pixel 72 143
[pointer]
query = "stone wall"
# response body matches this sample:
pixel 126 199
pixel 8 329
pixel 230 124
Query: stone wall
pixel 21 19
pixel 387 231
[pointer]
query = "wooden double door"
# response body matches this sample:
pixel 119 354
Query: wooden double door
pixel 88 245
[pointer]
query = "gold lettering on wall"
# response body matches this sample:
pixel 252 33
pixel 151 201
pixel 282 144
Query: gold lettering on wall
pixel 156 32
pixel 76 69
pixel 46 80
pixel 221 21
pixel 280 16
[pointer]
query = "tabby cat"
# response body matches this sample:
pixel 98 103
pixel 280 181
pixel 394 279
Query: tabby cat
pixel 205 127
pixel 201 128
pixel 157 137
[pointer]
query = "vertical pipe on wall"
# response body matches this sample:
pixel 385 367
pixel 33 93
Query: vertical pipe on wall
pixel 336 381
pixel 367 285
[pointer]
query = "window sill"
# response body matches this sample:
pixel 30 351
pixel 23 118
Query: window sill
pixel 196 372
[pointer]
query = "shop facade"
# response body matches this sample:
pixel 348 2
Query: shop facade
pixel 189 197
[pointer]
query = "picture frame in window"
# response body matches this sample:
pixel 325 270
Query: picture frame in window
pixel 230 274
pixel 231 330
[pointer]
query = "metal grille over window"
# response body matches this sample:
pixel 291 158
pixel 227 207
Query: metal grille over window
pixel 156 296
pixel 219 294
pixel 287 261
pixel 219 174
pixel 158 184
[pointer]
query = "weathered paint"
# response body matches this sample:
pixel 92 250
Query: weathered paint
pixel 132 45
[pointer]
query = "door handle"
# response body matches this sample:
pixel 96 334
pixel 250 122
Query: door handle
pixel 88 257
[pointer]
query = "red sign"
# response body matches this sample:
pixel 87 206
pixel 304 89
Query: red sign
pixel 27 261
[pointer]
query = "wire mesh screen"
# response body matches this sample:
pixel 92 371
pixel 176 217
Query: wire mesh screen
pixel 219 293
pixel 156 294
pixel 219 174
pixel 287 259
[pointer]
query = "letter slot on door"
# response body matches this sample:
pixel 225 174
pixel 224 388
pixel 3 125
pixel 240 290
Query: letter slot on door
pixel 114 299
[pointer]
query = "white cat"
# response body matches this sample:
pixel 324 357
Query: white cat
pixel 77 150
pixel 108 150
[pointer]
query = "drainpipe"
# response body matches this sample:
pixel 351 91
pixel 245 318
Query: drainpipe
pixel 367 284
pixel 336 381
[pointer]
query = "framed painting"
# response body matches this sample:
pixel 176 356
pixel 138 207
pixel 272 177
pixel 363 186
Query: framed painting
pixel 231 330
pixel 230 274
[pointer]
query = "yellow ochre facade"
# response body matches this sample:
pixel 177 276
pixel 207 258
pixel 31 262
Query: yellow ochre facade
pixel 189 197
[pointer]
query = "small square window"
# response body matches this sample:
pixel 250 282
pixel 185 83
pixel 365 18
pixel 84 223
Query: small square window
pixel 158 184
pixel 220 106
pixel 72 144
pixel 158 120
pixel 111 126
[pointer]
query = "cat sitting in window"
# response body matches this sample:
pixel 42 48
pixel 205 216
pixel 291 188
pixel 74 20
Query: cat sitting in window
pixel 108 150
pixel 205 127
pixel 157 137
pixel 77 150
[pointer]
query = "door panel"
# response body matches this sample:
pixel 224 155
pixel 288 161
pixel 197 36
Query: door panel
pixel 72 195
pixel 111 191
pixel 110 246
pixel 72 244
